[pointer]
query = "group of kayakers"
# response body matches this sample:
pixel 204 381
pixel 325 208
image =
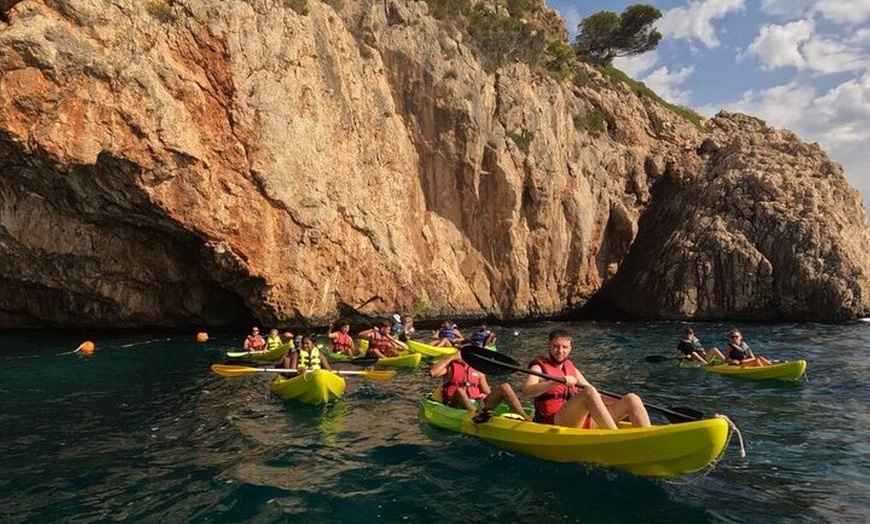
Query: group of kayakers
pixel 565 398
pixel 737 351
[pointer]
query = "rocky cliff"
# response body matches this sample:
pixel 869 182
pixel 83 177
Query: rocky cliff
pixel 192 162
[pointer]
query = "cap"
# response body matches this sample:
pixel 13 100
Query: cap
pixel 397 318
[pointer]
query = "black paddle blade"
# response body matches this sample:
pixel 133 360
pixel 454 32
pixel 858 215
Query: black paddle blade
pixel 655 359
pixel 489 362
pixel 681 414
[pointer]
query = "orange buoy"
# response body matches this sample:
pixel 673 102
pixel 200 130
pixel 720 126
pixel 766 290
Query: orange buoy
pixel 87 348
pixel 202 336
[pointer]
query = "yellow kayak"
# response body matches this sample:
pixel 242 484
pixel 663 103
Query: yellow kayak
pixel 429 350
pixel 271 355
pixel 314 387
pixel 791 370
pixel 669 450
pixel 408 360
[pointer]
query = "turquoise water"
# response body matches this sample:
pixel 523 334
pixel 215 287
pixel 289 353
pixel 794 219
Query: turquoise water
pixel 143 431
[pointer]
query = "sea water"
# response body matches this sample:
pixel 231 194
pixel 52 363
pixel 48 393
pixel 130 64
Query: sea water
pixel 143 431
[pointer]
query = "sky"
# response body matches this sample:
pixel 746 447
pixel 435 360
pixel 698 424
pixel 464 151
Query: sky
pixel 802 65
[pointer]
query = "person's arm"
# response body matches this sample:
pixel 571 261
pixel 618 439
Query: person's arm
pixel 535 385
pixel 294 359
pixel 484 386
pixel 397 343
pixel 324 362
pixel 366 333
pixel 439 368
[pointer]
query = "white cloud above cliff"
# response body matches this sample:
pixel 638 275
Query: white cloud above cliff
pixel 803 65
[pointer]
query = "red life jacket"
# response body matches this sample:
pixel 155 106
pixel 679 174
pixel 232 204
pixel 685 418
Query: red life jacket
pixel 461 375
pixel 549 403
pixel 380 343
pixel 342 342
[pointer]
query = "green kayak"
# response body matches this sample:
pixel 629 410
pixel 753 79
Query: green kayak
pixel 669 450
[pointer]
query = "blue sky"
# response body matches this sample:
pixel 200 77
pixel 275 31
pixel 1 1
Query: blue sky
pixel 802 65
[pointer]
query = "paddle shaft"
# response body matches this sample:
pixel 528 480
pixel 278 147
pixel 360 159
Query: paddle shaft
pixel 500 361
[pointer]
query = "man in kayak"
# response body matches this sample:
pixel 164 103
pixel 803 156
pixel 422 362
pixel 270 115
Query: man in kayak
pixel 575 403
pixel 381 342
pixel 689 347
pixel 254 341
pixel 467 388
pixel 739 353
pixel 482 337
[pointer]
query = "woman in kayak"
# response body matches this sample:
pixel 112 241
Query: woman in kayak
pixel 308 356
pixel 739 353
pixel 689 347
pixel 342 342
pixel 467 388
pixel 575 403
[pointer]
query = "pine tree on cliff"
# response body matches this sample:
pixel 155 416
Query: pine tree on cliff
pixel 606 35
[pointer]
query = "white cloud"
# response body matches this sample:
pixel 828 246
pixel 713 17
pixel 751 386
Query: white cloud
pixel 572 18
pixel 851 12
pixel 781 106
pixel 779 45
pixel 635 66
pixel 830 56
pixel 666 84
pixel 695 20
pixel 796 44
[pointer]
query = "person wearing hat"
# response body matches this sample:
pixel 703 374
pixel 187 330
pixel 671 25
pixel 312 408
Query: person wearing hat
pixel 397 327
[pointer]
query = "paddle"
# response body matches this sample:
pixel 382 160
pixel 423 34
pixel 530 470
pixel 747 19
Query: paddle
pixel 234 371
pixel 491 363
pixel 655 359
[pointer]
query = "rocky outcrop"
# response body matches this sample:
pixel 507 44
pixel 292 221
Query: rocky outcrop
pixel 193 162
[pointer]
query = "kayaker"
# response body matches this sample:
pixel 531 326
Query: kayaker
pixel 689 347
pixel 273 340
pixel 447 335
pixel 381 343
pixel 738 352
pixel 397 327
pixel 575 403
pixel 308 356
pixel 467 388
pixel 342 342
pixel 254 341
pixel 482 337
pixel 407 328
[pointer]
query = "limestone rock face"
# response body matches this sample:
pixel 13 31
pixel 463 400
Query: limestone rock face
pixel 194 162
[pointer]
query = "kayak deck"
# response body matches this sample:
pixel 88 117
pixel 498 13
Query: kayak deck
pixel 271 355
pixel 791 370
pixel 669 450
pixel 314 387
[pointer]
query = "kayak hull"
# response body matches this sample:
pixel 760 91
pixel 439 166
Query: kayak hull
pixel 665 451
pixel 791 370
pixel 408 360
pixel 429 350
pixel 272 355
pixel 315 387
